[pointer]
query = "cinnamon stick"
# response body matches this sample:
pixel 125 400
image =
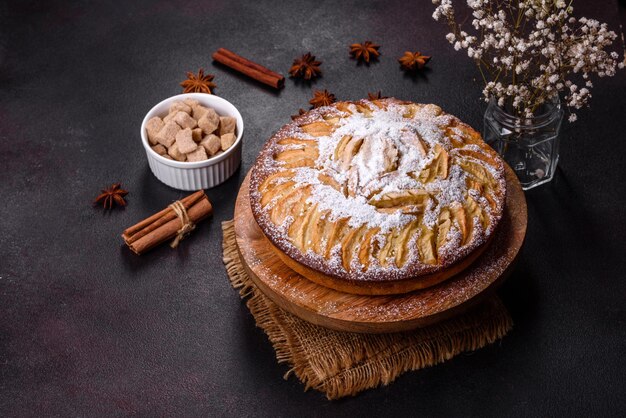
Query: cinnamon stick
pixel 164 225
pixel 148 225
pixel 243 61
pixel 249 68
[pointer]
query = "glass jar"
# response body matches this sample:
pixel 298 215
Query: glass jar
pixel 529 145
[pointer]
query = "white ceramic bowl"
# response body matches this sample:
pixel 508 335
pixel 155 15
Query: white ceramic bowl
pixel 198 174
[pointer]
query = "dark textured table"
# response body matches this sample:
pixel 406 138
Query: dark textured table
pixel 87 328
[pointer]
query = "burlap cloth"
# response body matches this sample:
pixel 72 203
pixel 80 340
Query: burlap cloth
pixel 343 363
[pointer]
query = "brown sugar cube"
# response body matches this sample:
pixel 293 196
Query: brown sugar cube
pixel 198 111
pixel 209 122
pixel 167 156
pixel 196 134
pixel 180 107
pixel 175 153
pixel 169 117
pixel 167 134
pixel 227 125
pixel 159 149
pixel 191 102
pixel 184 120
pixel 198 155
pixel 211 143
pixel 184 141
pixel 227 141
pixel 153 126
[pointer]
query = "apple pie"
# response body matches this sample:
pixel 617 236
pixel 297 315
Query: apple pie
pixel 368 194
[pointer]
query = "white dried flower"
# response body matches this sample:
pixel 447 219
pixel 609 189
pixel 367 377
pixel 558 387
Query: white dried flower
pixel 525 68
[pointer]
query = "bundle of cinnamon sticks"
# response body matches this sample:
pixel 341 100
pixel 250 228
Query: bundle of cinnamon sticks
pixel 168 224
pixel 249 68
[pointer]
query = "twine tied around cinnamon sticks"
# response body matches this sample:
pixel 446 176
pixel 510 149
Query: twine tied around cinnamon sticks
pixel 186 225
pixel 175 221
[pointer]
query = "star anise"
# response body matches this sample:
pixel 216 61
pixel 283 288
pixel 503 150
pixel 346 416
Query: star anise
pixel 365 51
pixel 413 61
pixel 305 67
pixel 112 196
pixel 376 96
pixel 200 83
pixel 322 98
pixel 300 113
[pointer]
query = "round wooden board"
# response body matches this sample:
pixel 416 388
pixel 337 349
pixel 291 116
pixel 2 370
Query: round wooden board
pixel 380 314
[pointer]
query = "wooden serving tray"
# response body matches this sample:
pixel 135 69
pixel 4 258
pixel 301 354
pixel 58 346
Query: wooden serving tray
pixel 380 314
